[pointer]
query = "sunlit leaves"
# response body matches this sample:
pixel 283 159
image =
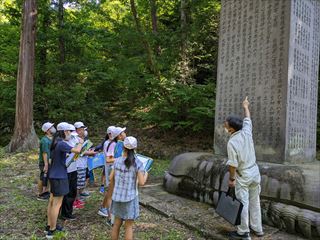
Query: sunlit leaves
pixel 106 72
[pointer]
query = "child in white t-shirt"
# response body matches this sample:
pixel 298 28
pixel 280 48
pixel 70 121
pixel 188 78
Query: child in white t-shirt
pixel 108 150
pixel 82 163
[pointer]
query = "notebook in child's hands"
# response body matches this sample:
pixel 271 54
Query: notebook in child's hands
pixel 85 147
pixel 97 161
pixel 70 159
pixel 146 161
pixel 72 156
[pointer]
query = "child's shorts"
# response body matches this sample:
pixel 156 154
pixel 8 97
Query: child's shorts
pixel 42 177
pixel 59 187
pixel 126 210
pixel 81 181
pixel 107 170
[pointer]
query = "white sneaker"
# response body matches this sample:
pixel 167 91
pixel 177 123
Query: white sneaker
pixel 103 212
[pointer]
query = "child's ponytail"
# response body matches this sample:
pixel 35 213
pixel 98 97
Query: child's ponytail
pixel 58 136
pixel 131 159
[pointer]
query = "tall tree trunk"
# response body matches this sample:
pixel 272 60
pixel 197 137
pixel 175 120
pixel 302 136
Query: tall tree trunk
pixel 61 37
pixel 154 20
pixel 151 62
pixel 183 20
pixel 24 137
pixel 153 11
pixel 185 70
pixel 43 49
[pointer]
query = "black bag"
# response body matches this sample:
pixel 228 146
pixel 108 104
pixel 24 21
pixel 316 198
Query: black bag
pixel 229 207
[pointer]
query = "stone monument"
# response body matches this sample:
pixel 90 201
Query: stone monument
pixel 268 51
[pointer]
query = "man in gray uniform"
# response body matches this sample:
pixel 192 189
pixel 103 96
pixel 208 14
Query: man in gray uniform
pixel 244 173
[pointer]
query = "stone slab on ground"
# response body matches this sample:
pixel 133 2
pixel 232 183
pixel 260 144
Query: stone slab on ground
pixel 197 216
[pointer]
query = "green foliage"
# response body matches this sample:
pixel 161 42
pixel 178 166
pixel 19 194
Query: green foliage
pixel 7 106
pixel 159 167
pixel 2 152
pixel 9 55
pixel 106 76
pixel 184 108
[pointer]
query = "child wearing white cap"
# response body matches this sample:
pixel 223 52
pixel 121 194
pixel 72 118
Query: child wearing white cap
pixel 58 175
pixel 66 211
pixel 127 172
pixel 82 163
pixel 108 150
pixel 44 156
pixel 120 135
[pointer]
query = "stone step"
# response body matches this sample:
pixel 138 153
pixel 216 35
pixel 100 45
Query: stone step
pixel 197 216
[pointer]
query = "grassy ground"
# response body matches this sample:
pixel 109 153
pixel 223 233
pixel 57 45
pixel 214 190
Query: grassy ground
pixel 23 217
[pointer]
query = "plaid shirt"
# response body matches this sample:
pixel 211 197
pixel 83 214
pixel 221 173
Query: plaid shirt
pixel 125 188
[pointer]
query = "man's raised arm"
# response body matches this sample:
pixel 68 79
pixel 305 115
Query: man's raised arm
pixel 245 105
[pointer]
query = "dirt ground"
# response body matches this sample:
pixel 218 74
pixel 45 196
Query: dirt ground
pixel 24 217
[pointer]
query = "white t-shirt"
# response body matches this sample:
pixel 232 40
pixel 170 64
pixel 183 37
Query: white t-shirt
pixel 82 162
pixel 72 143
pixel 110 152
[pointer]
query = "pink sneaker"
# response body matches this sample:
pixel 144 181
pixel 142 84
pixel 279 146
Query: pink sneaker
pixel 79 202
pixel 77 206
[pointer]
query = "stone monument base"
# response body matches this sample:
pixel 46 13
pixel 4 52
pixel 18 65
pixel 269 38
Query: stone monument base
pixel 290 194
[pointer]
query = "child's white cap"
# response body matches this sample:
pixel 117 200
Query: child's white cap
pixel 72 128
pixel 46 126
pixel 116 132
pixel 79 125
pixel 64 126
pixel 61 125
pixel 110 129
pixel 130 142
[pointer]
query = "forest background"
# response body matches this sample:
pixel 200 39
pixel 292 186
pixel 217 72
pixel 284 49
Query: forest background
pixel 146 64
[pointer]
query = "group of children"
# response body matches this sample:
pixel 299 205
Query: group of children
pixel 123 172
